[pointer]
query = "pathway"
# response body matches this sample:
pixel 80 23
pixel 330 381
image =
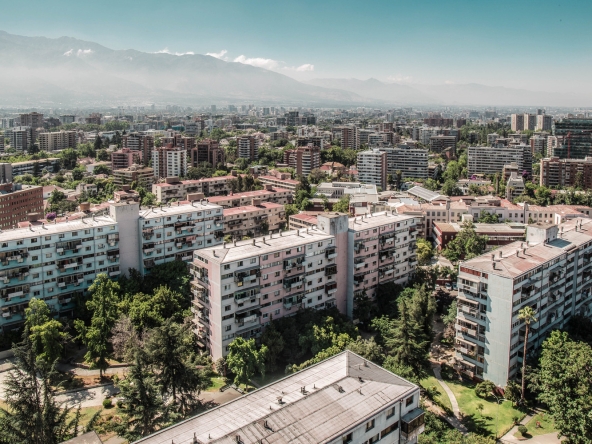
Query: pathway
pixel 455 420
pixel 549 438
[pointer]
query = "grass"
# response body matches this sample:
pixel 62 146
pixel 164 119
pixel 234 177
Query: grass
pixel 217 382
pixel 441 399
pixel 483 422
pixel 546 425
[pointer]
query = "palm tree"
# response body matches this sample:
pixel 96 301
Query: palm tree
pixel 527 314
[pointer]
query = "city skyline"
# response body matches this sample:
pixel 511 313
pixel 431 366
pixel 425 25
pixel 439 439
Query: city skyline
pixel 390 41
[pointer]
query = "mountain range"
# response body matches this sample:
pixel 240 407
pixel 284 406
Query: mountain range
pixel 40 71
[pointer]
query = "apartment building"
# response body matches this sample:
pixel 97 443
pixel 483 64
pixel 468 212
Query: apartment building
pixel 487 160
pixel 93 119
pixel 1 142
pixel 497 234
pixel 169 162
pixel 139 142
pixel 561 173
pixel 343 399
pixel 34 120
pixel 530 121
pixel 257 219
pixel 17 202
pixel 517 122
pixel 67 118
pixel 303 159
pixel 381 248
pixel 372 166
pixel 247 147
pixel 136 173
pixel 412 162
pixel 207 150
pixel 59 140
pixel 280 196
pixel 173 232
pixel 36 167
pixel 538 145
pixel 551 272
pixel 282 180
pixel 173 188
pixel 5 173
pixel 125 158
pixel 55 262
pixel 514 186
pixel 440 144
pixel 20 137
pixel 350 137
pixel 574 138
pixel 544 122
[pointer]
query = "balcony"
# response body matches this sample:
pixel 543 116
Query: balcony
pixel 64 247
pixel 251 293
pixel 331 253
pixel 294 262
pixel 246 276
pixel 20 273
pixel 412 424
pixel 359 263
pixel 15 255
pixel 330 270
pixel 112 239
pixel 67 264
pixel 331 288
pixel 13 292
pixel 113 256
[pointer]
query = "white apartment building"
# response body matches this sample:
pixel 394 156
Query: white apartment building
pixel 169 162
pixel 57 262
pixel 343 399
pixel 488 160
pixel 247 147
pixel 411 161
pixel 59 140
pixel 21 137
pixel 239 287
pixel 544 122
pixel 372 166
pixel 551 272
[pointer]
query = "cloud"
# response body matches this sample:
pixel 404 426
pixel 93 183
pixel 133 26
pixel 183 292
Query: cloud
pixel 79 53
pixel 218 55
pixel 167 51
pixel 259 62
pixel 271 64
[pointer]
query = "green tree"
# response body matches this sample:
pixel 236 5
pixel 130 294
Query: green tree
pixel 171 348
pixel 290 209
pixel 528 316
pixel 103 307
pixel 451 189
pixel 98 143
pixel 142 406
pixel 564 384
pixel 78 173
pixel 46 334
pixel 486 217
pixel 425 252
pixel 342 205
pixel 69 158
pixel 274 342
pixel 244 360
pixel 484 389
pixel 466 245
pixel 453 171
pixel 203 170
pixel 512 392
pixel 32 415
pixel 103 155
pixel 368 349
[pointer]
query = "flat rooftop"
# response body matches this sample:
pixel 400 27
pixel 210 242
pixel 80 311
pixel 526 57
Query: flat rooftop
pixel 256 193
pixel 511 265
pixel 372 220
pixel 514 228
pixel 250 208
pixel 194 181
pixel 335 400
pixel 177 208
pixel 425 194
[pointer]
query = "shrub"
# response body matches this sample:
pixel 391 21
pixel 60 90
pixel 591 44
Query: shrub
pixel 107 403
pixel 523 430
pixel 515 419
pixel 119 403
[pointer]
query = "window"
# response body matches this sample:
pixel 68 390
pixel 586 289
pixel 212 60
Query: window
pixel 47 255
pixel 277 312
pixel 276 255
pixel 374 439
pixel 49 273
pixel 227 266
pixel 409 401
pixel 228 308
pixel 389 429
pixel 228 327
pixel 347 438
pixel 19 242
pixel 264 277
pixel 390 412
pixel 240 263
pixel 370 425
pixel 264 258
pixel 253 261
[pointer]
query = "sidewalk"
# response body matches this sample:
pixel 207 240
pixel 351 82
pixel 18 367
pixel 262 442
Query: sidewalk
pixel 455 420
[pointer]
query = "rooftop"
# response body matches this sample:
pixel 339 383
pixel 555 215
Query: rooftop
pixel 179 208
pixel 250 208
pixel 372 220
pixel 194 181
pixel 426 194
pixel 511 265
pixel 340 392
pixel 256 193
pixel 515 228
pixel 290 181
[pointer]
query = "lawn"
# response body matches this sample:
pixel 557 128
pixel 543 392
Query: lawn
pixel 442 399
pixel 217 382
pixel 546 425
pixel 483 422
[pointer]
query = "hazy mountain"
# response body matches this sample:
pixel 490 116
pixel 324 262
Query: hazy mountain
pixel 67 70
pixel 392 93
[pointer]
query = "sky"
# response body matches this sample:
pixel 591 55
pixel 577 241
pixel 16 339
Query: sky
pixel 535 45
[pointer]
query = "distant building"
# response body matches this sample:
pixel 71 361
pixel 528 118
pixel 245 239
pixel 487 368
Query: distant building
pixel 21 137
pixel 538 145
pixel 207 150
pixel 5 173
pixel 303 159
pixel 257 219
pixel 576 139
pixel 173 188
pixel 125 158
pixel 282 180
pixel 439 144
pixel 544 122
pixel 93 119
pixel 350 137
pixel 67 119
pixel 34 120
pixel 487 160
pixel 517 122
pixel 372 166
pixel 247 147
pixel 17 201
pixel 140 142
pixel 530 122
pixel 411 161
pixel 143 176
pixel 59 140
pixel 561 173
pixel 497 234
pixel 514 186
pixel 169 162
pixel 281 196
pixel 36 167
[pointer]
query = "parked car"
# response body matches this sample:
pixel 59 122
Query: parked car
pixel 454 286
pixel 448 286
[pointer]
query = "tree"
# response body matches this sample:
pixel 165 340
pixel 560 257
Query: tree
pixel 103 307
pixel 244 360
pixel 142 405
pixel 102 155
pixel 101 169
pixel 527 315
pixel 69 158
pixel 564 384
pixel 204 169
pixel 424 251
pixel 512 392
pixel 98 143
pixel 486 217
pixel 274 342
pixel 342 205
pixel 484 389
pixel 45 333
pixel 78 173
pixel 451 189
pixel 453 171
pixel 290 209
pixel 466 245
pixel 368 349
pixel 32 415
pixel 125 339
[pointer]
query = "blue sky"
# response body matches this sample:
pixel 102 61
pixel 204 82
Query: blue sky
pixel 524 44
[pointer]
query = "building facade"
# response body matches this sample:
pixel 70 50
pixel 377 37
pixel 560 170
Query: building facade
pixel 247 147
pixel 136 173
pixel 125 158
pixel 303 159
pixel 372 166
pixel 412 162
pixel 140 142
pixel 169 162
pixel 17 202
pixel 280 196
pixel 173 188
pixel 561 173
pixel 257 219
pixel 487 160
pixel 59 140
pixel 551 272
